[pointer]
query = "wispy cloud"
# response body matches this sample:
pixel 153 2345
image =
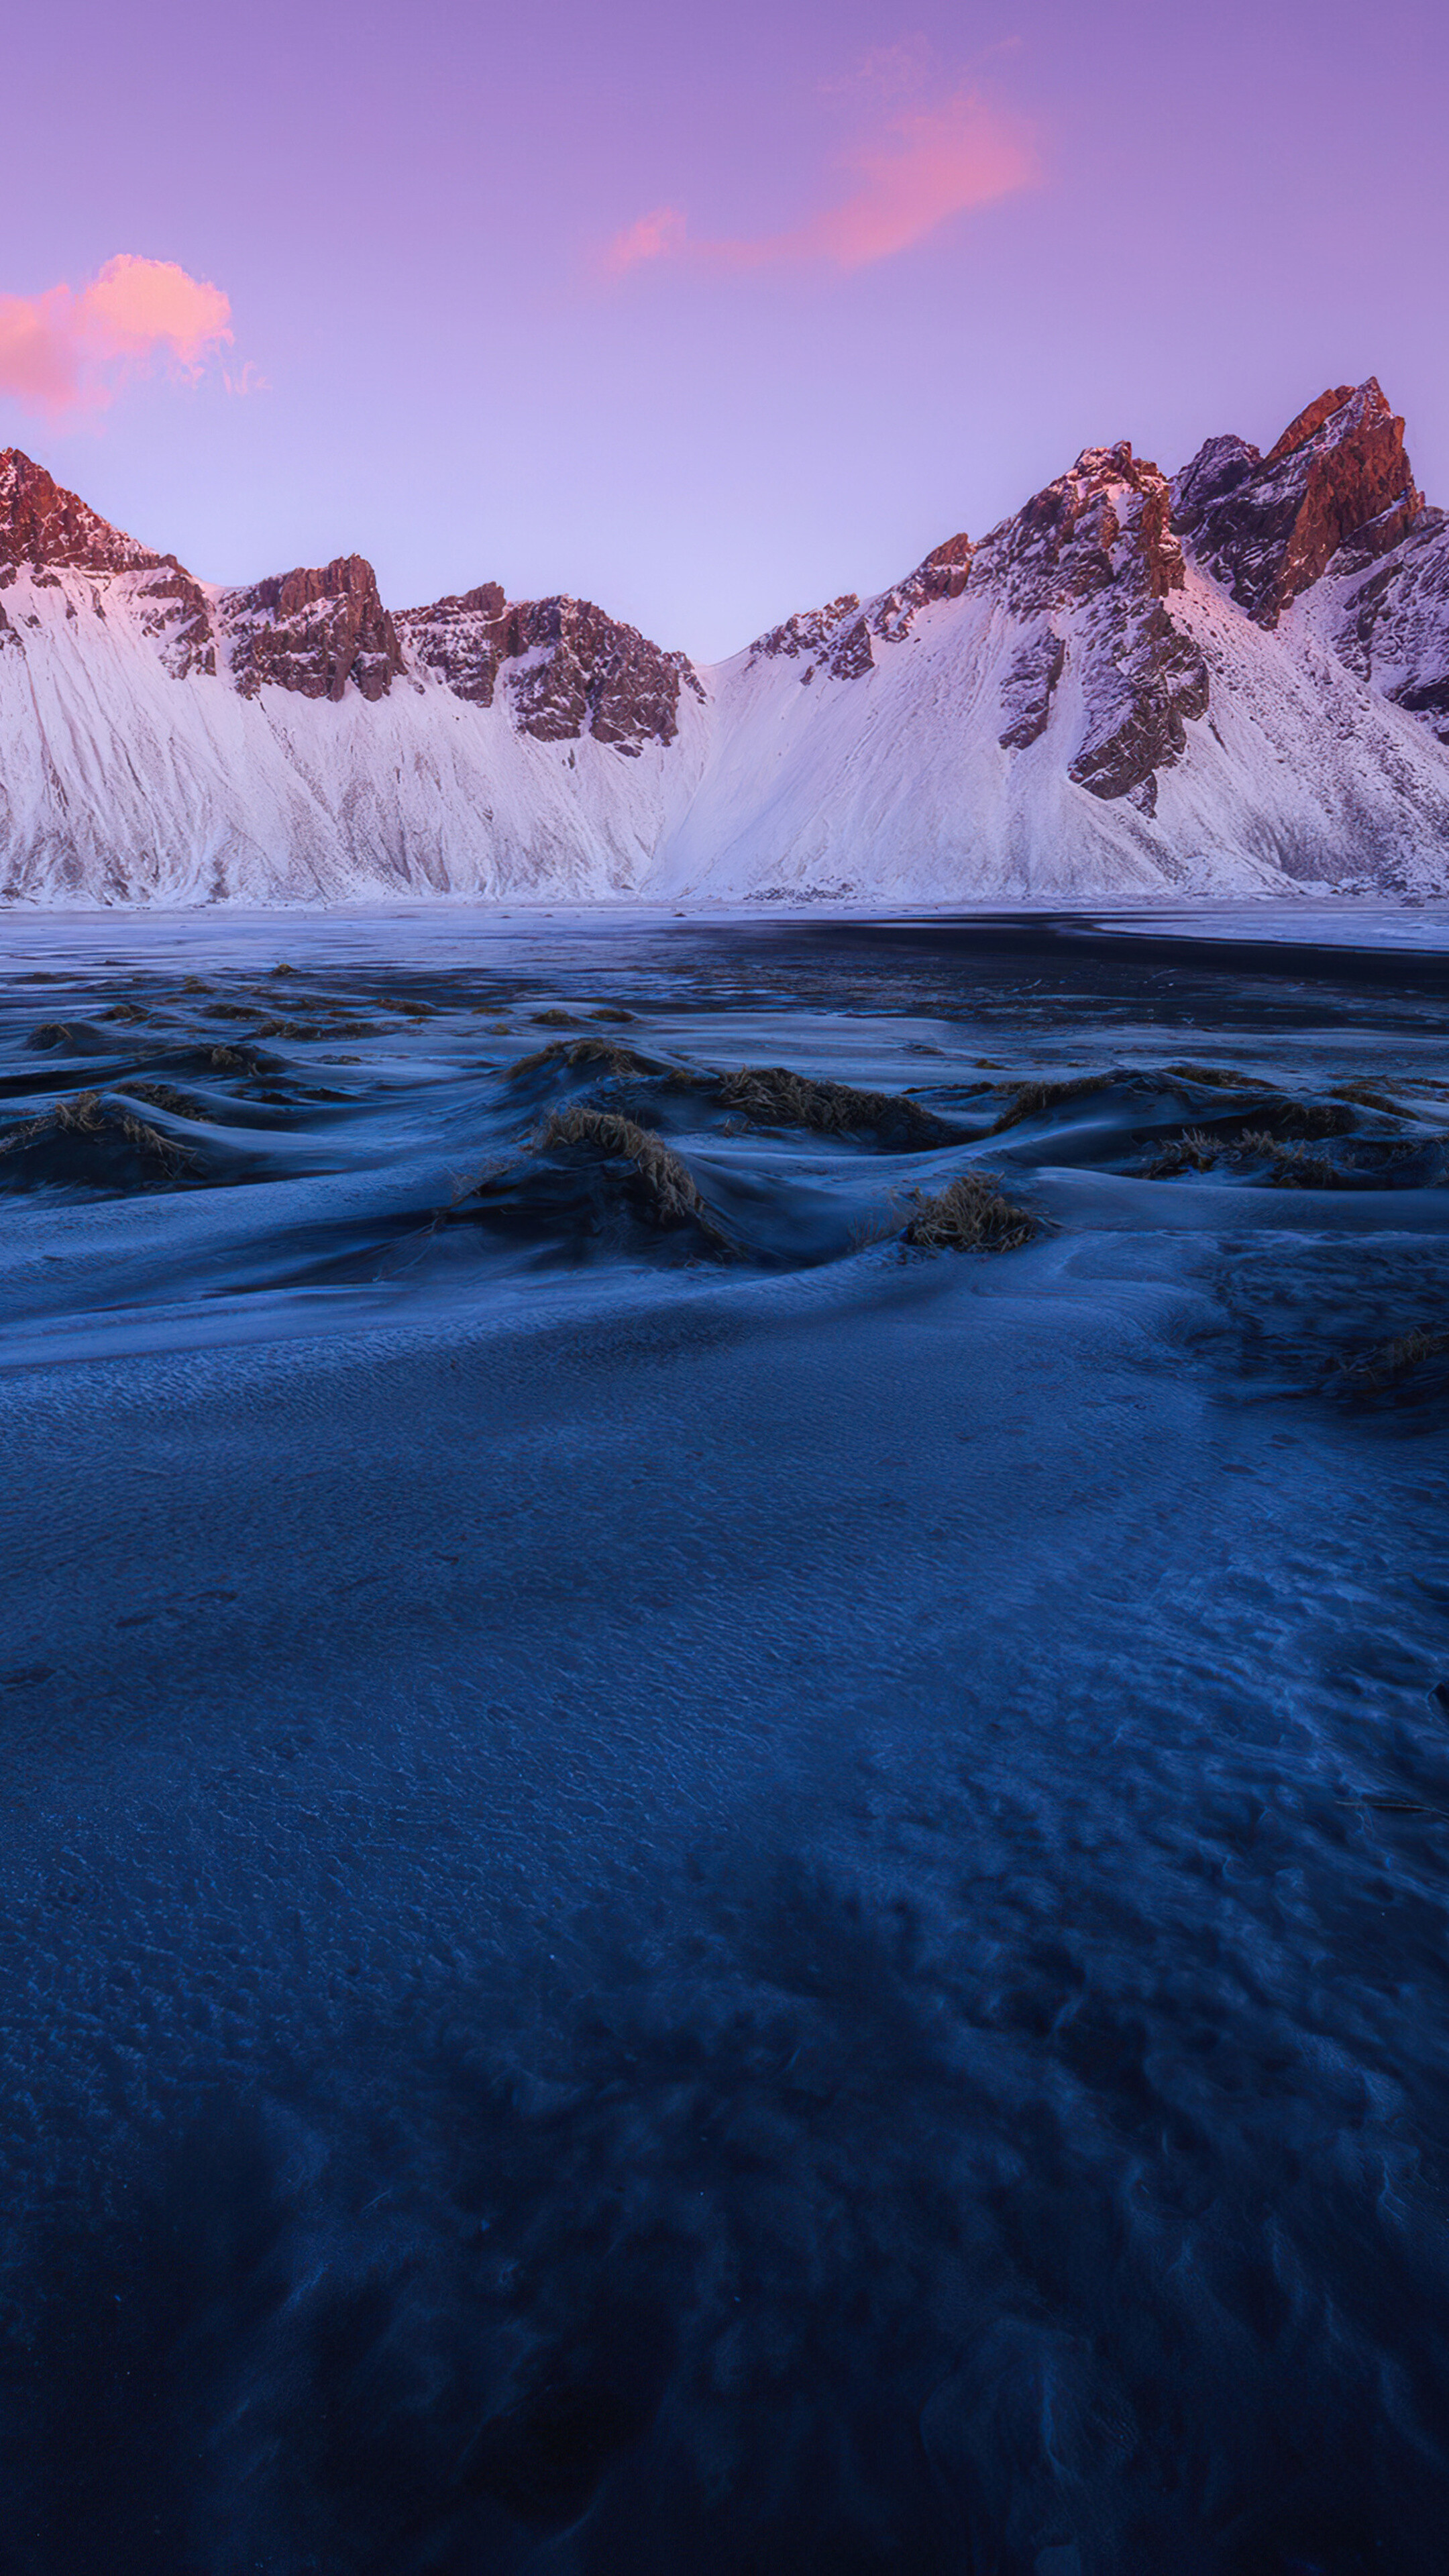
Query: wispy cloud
pixel 72 348
pixel 248 379
pixel 658 236
pixel 925 165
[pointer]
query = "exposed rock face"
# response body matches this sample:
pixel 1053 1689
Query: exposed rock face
pixel 41 524
pixel 313 631
pixel 944 573
pixel 1099 541
pixel 462 638
pixel 808 632
pixel 44 526
pixel 583 671
pixel 1268 527
pixel 1027 685
pixel 837 637
pixel 1393 628
pixel 177 615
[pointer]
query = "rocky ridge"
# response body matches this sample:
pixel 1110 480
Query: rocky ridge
pixel 1084 653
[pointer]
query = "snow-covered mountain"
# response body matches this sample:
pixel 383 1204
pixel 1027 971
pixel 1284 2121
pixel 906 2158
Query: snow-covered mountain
pixel 1235 681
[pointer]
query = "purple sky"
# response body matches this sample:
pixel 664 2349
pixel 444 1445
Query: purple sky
pixel 705 314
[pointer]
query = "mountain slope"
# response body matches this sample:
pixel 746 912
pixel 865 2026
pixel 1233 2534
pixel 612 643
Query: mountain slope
pixel 1234 682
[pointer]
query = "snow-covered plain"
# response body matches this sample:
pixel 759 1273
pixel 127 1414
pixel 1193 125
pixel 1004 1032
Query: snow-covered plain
pixel 770 1901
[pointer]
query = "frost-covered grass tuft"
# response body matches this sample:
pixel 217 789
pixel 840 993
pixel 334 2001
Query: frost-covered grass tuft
pixel 665 1186
pixel 1290 1167
pixel 1030 1098
pixel 93 1140
pixel 1389 1363
pixel 162 1095
pixel 1367 1095
pixel 1193 1151
pixel 591 1055
pixel 971 1214
pixel 1218 1077
pixel 772 1096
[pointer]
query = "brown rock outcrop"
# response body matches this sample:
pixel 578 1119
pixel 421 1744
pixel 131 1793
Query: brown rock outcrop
pixel 587 672
pixel 463 638
pixel 582 672
pixel 1027 685
pixel 809 631
pixel 1269 527
pixel 1099 541
pixel 313 631
pixel 42 524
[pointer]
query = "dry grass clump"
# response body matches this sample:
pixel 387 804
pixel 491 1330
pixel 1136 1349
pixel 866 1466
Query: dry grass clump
pixel 230 1059
pixel 1290 1167
pixel 1029 1098
pixel 971 1214
pixel 771 1096
pixel 1299 1122
pixel 89 1117
pixel 590 1055
pixel 1193 1151
pixel 161 1095
pixel 1218 1077
pixel 665 1189
pixel 1393 1360
pixel 1367 1095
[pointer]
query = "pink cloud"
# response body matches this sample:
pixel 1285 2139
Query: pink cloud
pixel 927 165
pixel 654 236
pixel 70 349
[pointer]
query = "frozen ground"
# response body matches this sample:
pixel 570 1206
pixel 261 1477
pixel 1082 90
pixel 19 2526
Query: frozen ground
pixel 721 1894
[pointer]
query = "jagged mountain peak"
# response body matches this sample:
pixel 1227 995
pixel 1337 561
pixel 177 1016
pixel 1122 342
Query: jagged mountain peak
pixel 44 525
pixel 1269 527
pixel 1314 417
